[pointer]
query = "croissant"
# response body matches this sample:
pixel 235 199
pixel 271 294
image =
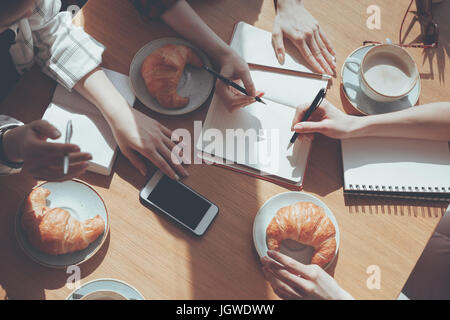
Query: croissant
pixel 162 71
pixel 55 231
pixel 308 224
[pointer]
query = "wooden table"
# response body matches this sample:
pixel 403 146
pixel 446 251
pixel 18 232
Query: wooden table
pixel 164 262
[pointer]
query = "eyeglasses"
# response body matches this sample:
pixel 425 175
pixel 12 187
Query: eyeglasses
pixel 430 30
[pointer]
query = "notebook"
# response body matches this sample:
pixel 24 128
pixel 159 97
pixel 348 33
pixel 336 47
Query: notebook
pixel 90 130
pixel 254 139
pixel 405 168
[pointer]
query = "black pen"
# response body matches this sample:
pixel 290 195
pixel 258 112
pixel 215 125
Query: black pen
pixel 316 103
pixel 231 83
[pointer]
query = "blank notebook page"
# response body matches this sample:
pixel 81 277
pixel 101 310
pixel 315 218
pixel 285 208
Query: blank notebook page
pixel 268 152
pixel 407 164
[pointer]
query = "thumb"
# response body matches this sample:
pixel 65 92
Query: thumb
pixel 278 43
pixel 45 129
pixel 309 127
pixel 248 83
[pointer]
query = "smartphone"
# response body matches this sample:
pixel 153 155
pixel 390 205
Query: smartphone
pixel 179 202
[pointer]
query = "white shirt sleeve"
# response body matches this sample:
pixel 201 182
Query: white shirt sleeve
pixel 65 52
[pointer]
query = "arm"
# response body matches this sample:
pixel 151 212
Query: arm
pixel 430 121
pixel 294 22
pixel 136 134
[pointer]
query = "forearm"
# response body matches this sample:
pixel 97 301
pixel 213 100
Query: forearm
pixel 184 20
pixel 430 122
pixel 98 89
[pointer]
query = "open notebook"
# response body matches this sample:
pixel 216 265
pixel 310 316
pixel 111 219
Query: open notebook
pixel 90 130
pixel 405 168
pixel 254 139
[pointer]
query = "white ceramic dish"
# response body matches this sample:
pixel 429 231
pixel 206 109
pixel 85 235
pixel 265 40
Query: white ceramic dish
pixel 361 102
pixel 195 83
pixel 122 288
pixel 83 202
pixel 293 249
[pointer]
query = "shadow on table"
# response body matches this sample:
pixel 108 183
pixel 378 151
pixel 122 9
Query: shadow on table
pixel 441 12
pixel 401 207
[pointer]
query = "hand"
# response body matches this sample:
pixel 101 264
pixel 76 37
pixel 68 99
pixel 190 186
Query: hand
pixel 138 135
pixel 294 22
pixel 294 280
pixel 327 120
pixel 44 160
pixel 235 68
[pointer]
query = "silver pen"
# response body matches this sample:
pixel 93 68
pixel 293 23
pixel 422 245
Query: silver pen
pixel 68 138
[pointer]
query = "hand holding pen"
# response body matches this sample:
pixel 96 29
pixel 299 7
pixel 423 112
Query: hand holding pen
pixel 307 114
pixel 235 68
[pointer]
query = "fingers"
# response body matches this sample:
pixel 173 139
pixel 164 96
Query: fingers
pixel 162 164
pixel 232 100
pixel 327 43
pixel 45 129
pixel 282 290
pixel 278 43
pixel 248 82
pixel 167 154
pixel 293 280
pixel 293 266
pixel 53 149
pixel 309 57
pixel 329 58
pixel 310 127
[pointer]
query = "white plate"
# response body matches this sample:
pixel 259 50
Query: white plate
pixel 83 202
pixel 295 250
pixel 195 83
pixel 362 102
pixel 118 286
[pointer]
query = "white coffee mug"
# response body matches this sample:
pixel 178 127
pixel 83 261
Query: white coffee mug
pixel 386 72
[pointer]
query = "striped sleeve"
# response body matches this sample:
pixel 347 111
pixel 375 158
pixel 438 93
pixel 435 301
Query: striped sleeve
pixel 65 52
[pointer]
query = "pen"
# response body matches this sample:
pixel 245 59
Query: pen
pixel 68 137
pixel 290 71
pixel 316 103
pixel 230 83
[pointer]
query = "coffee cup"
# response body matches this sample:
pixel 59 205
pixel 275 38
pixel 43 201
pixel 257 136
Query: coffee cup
pixel 386 72
pixel 103 295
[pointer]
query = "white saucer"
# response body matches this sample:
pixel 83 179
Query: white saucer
pixel 270 208
pixel 364 104
pixel 83 202
pixel 195 83
pixel 118 286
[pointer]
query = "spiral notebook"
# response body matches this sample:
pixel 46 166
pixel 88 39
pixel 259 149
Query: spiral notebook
pixel 404 168
pixel 253 140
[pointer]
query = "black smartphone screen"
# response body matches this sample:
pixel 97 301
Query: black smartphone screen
pixel 180 202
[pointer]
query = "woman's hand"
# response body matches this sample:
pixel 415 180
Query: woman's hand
pixel 44 160
pixel 138 135
pixel 235 68
pixel 291 279
pixel 327 120
pixel 294 22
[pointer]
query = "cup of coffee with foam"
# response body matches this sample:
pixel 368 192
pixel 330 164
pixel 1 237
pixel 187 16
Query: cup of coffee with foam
pixel 387 72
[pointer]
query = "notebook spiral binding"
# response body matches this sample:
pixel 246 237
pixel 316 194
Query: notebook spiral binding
pixel 404 192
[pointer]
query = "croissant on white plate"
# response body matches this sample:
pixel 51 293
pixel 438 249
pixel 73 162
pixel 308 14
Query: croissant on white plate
pixel 55 231
pixel 162 71
pixel 305 223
